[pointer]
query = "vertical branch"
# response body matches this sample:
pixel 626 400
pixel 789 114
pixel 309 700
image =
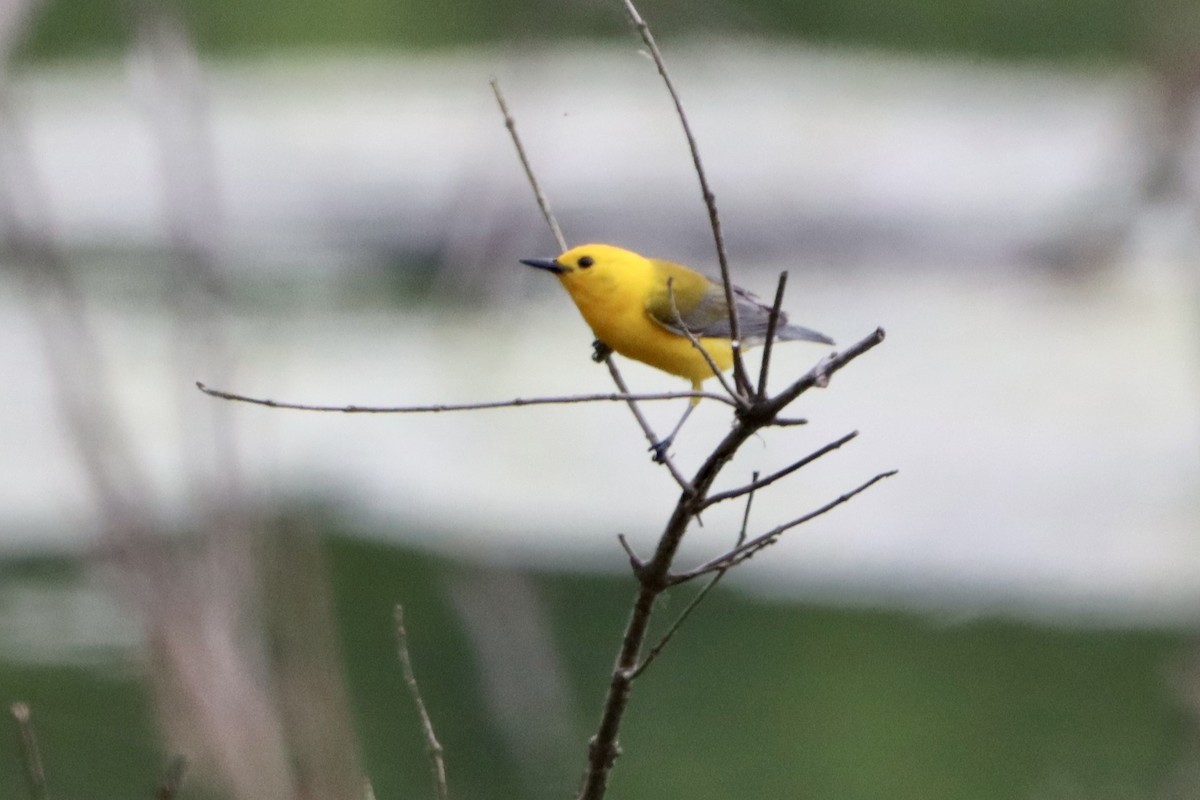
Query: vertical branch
pixel 35 772
pixel 432 746
pixel 603 352
pixel 645 426
pixel 171 85
pixel 542 202
pixel 710 200
pixel 738 399
pixel 772 324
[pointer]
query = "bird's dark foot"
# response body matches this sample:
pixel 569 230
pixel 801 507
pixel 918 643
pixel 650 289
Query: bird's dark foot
pixel 600 351
pixel 660 450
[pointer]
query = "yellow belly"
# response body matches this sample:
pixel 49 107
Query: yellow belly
pixel 636 336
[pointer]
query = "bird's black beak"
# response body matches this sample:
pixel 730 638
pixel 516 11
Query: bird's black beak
pixel 548 264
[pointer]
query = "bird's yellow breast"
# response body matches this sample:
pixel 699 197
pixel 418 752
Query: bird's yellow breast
pixel 614 305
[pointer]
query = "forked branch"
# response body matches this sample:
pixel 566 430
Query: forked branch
pixel 655 577
pixel 747 550
pixel 758 483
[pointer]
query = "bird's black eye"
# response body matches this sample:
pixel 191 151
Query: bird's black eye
pixel 586 262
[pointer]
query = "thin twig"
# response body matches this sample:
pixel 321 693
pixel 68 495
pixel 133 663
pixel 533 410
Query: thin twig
pixel 675 626
pixel 720 375
pixel 783 473
pixel 768 345
pixel 172 779
pixel 518 402
pixel 629 398
pixel 635 562
pixel 35 771
pixel 699 598
pixel 746 511
pixel 432 746
pixel 710 202
pixel 820 374
pixel 542 202
pixel 748 549
pixel 683 482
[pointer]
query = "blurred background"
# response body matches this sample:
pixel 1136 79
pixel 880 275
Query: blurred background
pixel 319 203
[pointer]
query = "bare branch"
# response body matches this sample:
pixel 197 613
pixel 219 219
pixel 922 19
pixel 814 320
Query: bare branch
pixel 675 626
pixel 746 511
pixel 683 482
pixel 635 562
pixel 542 202
pixel 602 351
pixel 699 598
pixel 710 202
pixel 748 549
pixel 622 396
pixel 783 473
pixel 691 337
pixel 752 413
pixel 432 746
pixel 820 374
pixel 656 576
pixel 772 322
pixel 172 780
pixel 35 771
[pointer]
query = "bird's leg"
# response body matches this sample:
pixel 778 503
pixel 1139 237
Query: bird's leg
pixel 600 351
pixel 660 449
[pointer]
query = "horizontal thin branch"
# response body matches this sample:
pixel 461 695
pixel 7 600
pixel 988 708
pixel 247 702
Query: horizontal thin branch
pixel 747 550
pixel 783 473
pixel 611 397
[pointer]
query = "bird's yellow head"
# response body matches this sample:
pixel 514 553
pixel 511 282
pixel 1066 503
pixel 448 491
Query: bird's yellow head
pixel 595 268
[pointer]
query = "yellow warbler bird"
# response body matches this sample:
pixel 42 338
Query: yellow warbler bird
pixel 644 308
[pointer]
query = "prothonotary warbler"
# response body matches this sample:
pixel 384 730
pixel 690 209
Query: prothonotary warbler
pixel 644 308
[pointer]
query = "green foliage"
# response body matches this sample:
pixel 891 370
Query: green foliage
pixel 1088 29
pixel 752 699
pixel 756 699
pixel 369 580
pixel 1045 29
pixel 95 731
